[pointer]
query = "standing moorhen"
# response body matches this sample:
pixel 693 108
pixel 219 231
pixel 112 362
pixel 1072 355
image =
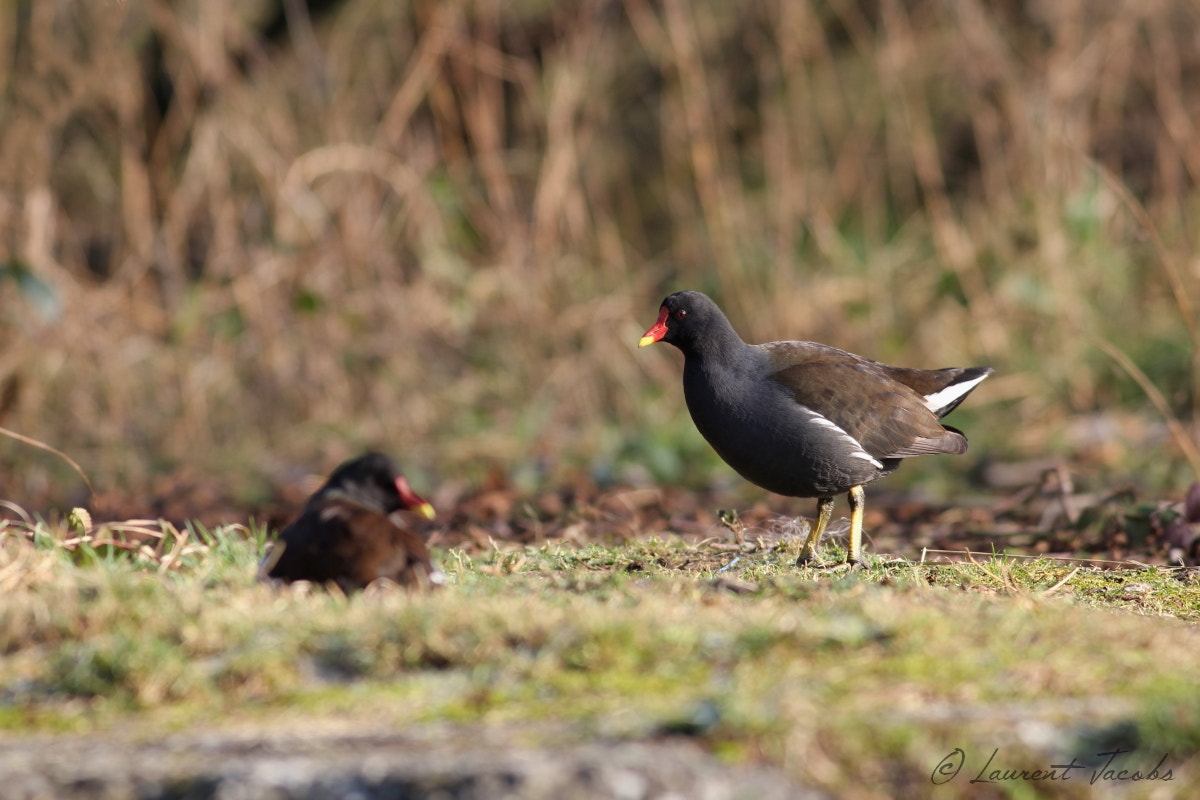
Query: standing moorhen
pixel 348 533
pixel 804 419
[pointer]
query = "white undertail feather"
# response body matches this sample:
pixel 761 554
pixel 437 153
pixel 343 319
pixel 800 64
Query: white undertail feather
pixel 945 397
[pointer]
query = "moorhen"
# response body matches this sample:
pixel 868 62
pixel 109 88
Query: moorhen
pixel 349 533
pixel 804 419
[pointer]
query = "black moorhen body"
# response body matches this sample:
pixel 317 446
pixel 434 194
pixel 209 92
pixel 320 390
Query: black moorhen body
pixel 804 419
pixel 347 532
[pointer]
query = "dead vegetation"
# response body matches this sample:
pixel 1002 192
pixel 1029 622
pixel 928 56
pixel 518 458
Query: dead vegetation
pixel 234 241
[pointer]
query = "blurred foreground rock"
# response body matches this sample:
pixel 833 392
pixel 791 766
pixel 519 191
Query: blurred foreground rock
pixel 393 766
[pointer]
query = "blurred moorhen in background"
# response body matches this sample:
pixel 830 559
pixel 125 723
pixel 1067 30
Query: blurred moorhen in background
pixel 804 419
pixel 349 533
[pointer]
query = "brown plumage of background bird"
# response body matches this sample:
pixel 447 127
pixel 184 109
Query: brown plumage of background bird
pixel 350 533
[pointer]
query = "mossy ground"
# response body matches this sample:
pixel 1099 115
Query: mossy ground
pixel 858 682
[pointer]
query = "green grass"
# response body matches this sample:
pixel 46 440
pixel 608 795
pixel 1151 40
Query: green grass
pixel 860 683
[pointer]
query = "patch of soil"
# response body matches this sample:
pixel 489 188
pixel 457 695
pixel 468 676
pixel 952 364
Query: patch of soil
pixel 1032 508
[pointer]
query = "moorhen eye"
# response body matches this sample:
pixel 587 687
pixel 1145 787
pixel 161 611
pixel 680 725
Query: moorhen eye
pixel 681 313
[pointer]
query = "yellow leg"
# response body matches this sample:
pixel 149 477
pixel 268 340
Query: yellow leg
pixel 858 500
pixel 824 512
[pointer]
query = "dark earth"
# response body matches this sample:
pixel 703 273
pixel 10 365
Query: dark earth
pixel 1031 508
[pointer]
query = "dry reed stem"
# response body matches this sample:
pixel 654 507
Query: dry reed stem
pixel 696 99
pixel 1173 274
pixel 43 446
pixel 1179 434
pixel 421 72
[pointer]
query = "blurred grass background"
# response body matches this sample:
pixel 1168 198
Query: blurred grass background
pixel 242 238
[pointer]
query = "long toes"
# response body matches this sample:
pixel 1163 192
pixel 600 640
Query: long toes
pixel 810 560
pixel 807 557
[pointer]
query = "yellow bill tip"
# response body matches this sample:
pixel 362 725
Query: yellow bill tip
pixel 425 510
pixel 645 340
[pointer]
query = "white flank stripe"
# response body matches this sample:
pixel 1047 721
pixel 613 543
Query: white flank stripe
pixel 865 456
pixel 951 393
pixel 857 451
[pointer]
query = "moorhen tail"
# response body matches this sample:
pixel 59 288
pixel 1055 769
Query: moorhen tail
pixel 349 533
pixel 804 419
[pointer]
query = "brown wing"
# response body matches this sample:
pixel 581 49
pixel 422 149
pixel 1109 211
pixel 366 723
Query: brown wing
pixel 351 546
pixel 398 554
pixel 886 417
pixel 305 548
pixel 379 548
pixel 922 381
